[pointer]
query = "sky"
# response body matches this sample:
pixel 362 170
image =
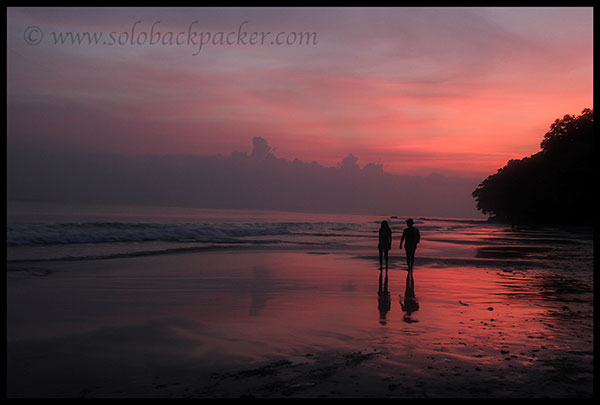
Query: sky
pixel 451 91
pixel 255 180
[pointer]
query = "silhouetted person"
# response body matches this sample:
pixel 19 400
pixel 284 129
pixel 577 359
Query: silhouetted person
pixel 385 243
pixel 383 298
pixel 410 303
pixel 410 237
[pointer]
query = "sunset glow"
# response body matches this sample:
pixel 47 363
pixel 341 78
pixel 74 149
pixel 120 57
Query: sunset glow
pixel 227 202
pixel 457 91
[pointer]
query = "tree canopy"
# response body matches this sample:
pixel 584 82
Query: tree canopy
pixel 553 186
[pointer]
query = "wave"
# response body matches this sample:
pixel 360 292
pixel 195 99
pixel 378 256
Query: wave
pixel 138 253
pixel 254 245
pixel 22 234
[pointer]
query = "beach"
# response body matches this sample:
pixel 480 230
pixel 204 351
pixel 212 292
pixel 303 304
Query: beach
pixel 202 201
pixel 496 313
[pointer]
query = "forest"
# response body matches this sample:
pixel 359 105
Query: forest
pixel 555 186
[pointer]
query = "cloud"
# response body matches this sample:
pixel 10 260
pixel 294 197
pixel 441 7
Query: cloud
pixel 259 180
pixel 261 149
pixel 457 89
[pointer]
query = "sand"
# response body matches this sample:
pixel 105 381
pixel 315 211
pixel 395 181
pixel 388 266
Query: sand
pixel 276 323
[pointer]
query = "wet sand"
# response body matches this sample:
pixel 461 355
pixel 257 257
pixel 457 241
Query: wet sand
pixel 295 324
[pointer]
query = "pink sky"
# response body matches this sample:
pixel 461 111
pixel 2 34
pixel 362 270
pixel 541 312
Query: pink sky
pixel 457 91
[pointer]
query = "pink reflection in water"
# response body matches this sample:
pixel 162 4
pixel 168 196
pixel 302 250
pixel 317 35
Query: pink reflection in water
pixel 240 307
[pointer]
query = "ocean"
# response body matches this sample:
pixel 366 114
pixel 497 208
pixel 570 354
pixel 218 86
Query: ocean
pixel 57 231
pixel 52 231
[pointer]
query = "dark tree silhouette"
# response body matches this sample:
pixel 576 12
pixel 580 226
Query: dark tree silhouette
pixel 553 186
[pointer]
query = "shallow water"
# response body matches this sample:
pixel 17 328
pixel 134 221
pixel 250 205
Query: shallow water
pixel 238 310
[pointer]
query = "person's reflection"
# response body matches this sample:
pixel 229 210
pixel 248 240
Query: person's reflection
pixel 383 297
pixel 410 303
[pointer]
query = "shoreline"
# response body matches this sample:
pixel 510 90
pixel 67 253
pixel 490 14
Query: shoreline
pixel 294 324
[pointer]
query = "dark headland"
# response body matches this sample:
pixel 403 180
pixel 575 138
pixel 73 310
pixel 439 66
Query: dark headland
pixel 553 186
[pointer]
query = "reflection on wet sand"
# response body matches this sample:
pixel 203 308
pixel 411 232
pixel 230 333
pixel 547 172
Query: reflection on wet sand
pixel 410 304
pixel 383 297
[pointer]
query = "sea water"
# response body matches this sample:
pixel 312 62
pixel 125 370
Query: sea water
pixel 54 231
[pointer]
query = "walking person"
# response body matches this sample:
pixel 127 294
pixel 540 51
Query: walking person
pixel 411 238
pixel 385 243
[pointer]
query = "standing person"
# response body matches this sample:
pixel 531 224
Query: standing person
pixel 385 243
pixel 410 237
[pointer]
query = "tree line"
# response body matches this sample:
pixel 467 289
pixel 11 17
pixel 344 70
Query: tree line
pixel 553 186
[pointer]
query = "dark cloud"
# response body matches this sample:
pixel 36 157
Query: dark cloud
pixel 259 180
pixel 261 149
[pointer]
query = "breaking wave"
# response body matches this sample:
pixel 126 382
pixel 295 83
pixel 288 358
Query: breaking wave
pixel 23 234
